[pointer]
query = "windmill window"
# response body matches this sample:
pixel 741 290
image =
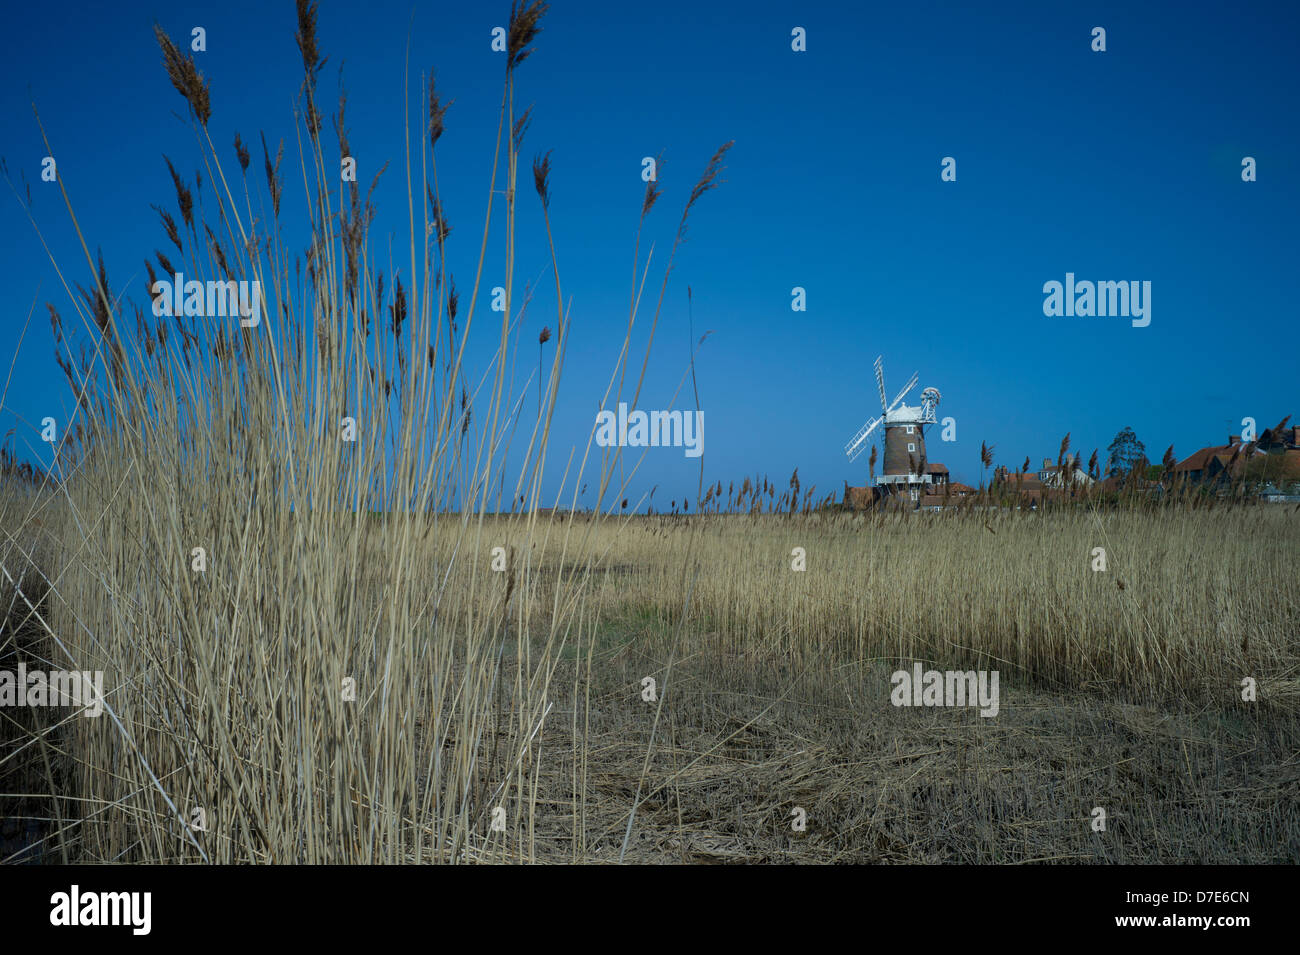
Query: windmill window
pixel 911 447
pixel 911 429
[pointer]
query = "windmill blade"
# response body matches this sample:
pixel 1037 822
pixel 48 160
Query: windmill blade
pixel 880 382
pixel 906 388
pixel 859 442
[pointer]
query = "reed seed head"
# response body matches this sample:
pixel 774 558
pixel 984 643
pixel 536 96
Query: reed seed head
pixel 521 128
pixel 184 198
pixel 542 177
pixel 522 31
pixel 306 37
pixel 242 152
pixel 273 174
pixel 169 226
pixel 708 180
pixel 442 228
pixel 185 76
pixel 437 112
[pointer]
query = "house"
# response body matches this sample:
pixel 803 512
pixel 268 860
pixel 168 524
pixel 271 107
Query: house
pixel 1277 475
pixel 1030 489
pixel 1069 473
pixel 1217 464
pixel 1026 482
pixel 1270 493
pixel 1122 483
pixel 860 498
pixel 947 494
pixel 1280 439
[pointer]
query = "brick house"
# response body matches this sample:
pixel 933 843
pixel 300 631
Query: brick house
pixel 1216 464
pixel 1069 473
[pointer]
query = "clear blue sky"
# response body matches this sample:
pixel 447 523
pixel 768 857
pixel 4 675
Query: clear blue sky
pixel 1117 165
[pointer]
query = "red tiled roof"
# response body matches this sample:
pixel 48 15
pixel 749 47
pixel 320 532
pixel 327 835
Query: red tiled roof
pixel 1198 461
pixel 1224 452
pixel 1039 493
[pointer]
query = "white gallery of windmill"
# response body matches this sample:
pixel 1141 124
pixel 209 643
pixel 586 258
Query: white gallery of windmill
pixel 905 473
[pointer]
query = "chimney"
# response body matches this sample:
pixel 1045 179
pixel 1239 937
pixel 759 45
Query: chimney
pixel 1234 440
pixel 1295 436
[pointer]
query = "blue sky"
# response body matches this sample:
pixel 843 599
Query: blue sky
pixel 1122 165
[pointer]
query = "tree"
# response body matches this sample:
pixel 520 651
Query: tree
pixel 1280 470
pixel 1124 453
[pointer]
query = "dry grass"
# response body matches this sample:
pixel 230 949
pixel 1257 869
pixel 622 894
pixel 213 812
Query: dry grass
pixel 1172 617
pixel 778 697
pixel 746 742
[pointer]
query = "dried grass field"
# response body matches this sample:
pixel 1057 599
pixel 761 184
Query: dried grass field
pixel 522 689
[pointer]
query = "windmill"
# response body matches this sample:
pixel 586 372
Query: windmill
pixel 903 436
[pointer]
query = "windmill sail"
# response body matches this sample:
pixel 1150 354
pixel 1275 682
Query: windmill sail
pixel 858 442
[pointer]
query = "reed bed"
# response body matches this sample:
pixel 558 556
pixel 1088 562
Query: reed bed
pixel 1169 618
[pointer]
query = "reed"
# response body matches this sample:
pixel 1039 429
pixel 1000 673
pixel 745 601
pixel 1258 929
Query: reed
pixel 276 541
